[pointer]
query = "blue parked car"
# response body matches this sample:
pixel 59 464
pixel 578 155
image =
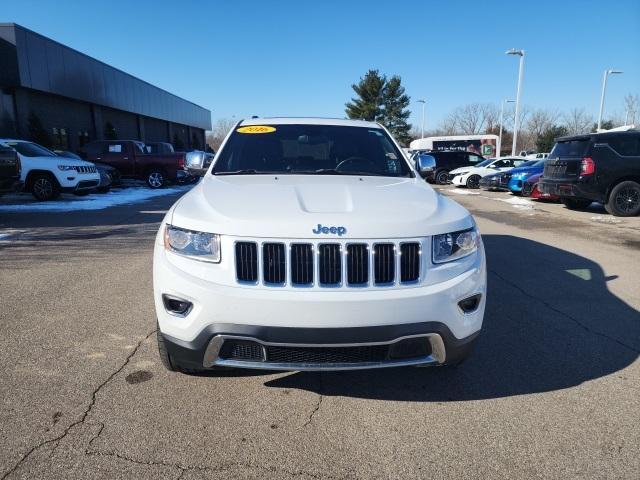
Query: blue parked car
pixel 518 175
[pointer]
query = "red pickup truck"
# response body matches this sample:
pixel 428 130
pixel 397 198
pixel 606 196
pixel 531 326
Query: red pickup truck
pixel 129 157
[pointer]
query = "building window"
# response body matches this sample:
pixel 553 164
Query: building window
pixel 83 138
pixel 60 139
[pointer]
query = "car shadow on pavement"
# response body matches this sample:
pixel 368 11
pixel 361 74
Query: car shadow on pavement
pixel 551 323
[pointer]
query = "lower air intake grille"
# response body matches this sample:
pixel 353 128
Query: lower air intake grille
pixel 301 264
pixel 357 354
pixel 384 263
pixel 409 262
pixel 330 264
pixel 247 262
pixel 274 263
pixel 242 350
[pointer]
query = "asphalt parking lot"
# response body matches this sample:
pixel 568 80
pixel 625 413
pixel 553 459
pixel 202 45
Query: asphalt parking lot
pixel 552 391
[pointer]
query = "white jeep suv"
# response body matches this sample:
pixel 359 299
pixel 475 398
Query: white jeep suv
pixel 46 174
pixel 313 244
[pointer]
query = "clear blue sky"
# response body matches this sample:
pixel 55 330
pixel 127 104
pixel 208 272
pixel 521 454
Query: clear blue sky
pixel 300 58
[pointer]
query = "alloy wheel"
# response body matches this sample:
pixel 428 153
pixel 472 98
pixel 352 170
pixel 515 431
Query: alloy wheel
pixel 156 179
pixel 43 188
pixel 628 199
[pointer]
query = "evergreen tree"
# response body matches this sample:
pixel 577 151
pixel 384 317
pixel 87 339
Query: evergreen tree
pixel 382 100
pixel 110 131
pixel 394 114
pixel 368 103
pixel 547 139
pixel 37 133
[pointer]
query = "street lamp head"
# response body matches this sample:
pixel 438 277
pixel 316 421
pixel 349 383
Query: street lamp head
pixel 421 101
pixel 513 51
pixel 612 72
pixel 509 101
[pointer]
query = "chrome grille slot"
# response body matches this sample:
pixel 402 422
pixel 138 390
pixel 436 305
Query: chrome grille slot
pixel 409 262
pixel 384 263
pixel 301 264
pixel 330 264
pixel 247 262
pixel 274 265
pixel 358 264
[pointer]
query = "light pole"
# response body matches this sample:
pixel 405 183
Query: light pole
pixel 516 121
pixel 604 88
pixel 423 102
pixel 501 121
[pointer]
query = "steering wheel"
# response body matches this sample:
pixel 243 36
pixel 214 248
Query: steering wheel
pixel 352 162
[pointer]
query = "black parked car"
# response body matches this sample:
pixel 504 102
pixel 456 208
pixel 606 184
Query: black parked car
pixel 601 167
pixel 109 176
pixel 10 170
pixel 450 160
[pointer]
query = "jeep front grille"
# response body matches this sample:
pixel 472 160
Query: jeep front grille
pixel 358 264
pixel 301 264
pixel 330 264
pixel 247 262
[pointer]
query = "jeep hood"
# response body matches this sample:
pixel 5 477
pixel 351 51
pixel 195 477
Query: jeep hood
pixel 292 206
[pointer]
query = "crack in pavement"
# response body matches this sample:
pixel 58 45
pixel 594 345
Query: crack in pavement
pixel 318 403
pixel 56 440
pixel 199 468
pixel 554 309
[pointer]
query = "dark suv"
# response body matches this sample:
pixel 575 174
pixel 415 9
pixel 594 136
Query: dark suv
pixel 10 170
pixel 598 167
pixel 450 160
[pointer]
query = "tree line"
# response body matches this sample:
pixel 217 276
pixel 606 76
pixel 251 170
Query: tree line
pixel 383 99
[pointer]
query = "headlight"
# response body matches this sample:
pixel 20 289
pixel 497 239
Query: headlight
pixel 452 246
pixel 198 245
pixel 65 168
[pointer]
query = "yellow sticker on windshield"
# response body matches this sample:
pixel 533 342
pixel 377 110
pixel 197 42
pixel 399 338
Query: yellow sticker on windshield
pixel 256 129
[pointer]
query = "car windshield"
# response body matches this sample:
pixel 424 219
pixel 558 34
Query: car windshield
pixel 484 163
pixel 29 149
pixel 311 150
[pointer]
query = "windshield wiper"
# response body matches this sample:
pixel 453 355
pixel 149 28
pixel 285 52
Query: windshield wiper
pixel 247 171
pixel 333 171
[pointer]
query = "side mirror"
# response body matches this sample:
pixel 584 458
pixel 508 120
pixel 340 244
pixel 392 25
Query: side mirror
pixel 425 164
pixel 196 163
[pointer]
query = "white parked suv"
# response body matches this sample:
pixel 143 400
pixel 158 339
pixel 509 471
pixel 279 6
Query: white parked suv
pixel 312 244
pixel 470 176
pixel 46 174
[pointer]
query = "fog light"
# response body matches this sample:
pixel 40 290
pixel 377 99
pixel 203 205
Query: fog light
pixel 470 304
pixel 176 306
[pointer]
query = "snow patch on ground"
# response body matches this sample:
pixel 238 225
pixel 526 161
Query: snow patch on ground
pixel 461 191
pixel 95 201
pixel 603 219
pixel 517 202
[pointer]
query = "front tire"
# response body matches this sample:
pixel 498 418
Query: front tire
pixel 44 187
pixel 473 182
pixel 576 203
pixel 442 177
pixel 156 178
pixel 624 200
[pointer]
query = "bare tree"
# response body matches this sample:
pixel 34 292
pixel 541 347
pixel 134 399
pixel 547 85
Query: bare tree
pixel 471 119
pixel 219 131
pixel 631 105
pixel 577 121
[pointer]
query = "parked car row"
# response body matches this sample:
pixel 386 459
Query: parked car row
pixel 581 169
pixel 27 166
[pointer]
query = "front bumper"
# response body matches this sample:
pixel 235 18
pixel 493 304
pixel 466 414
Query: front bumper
pixel 312 318
pixel 314 349
pixel 458 180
